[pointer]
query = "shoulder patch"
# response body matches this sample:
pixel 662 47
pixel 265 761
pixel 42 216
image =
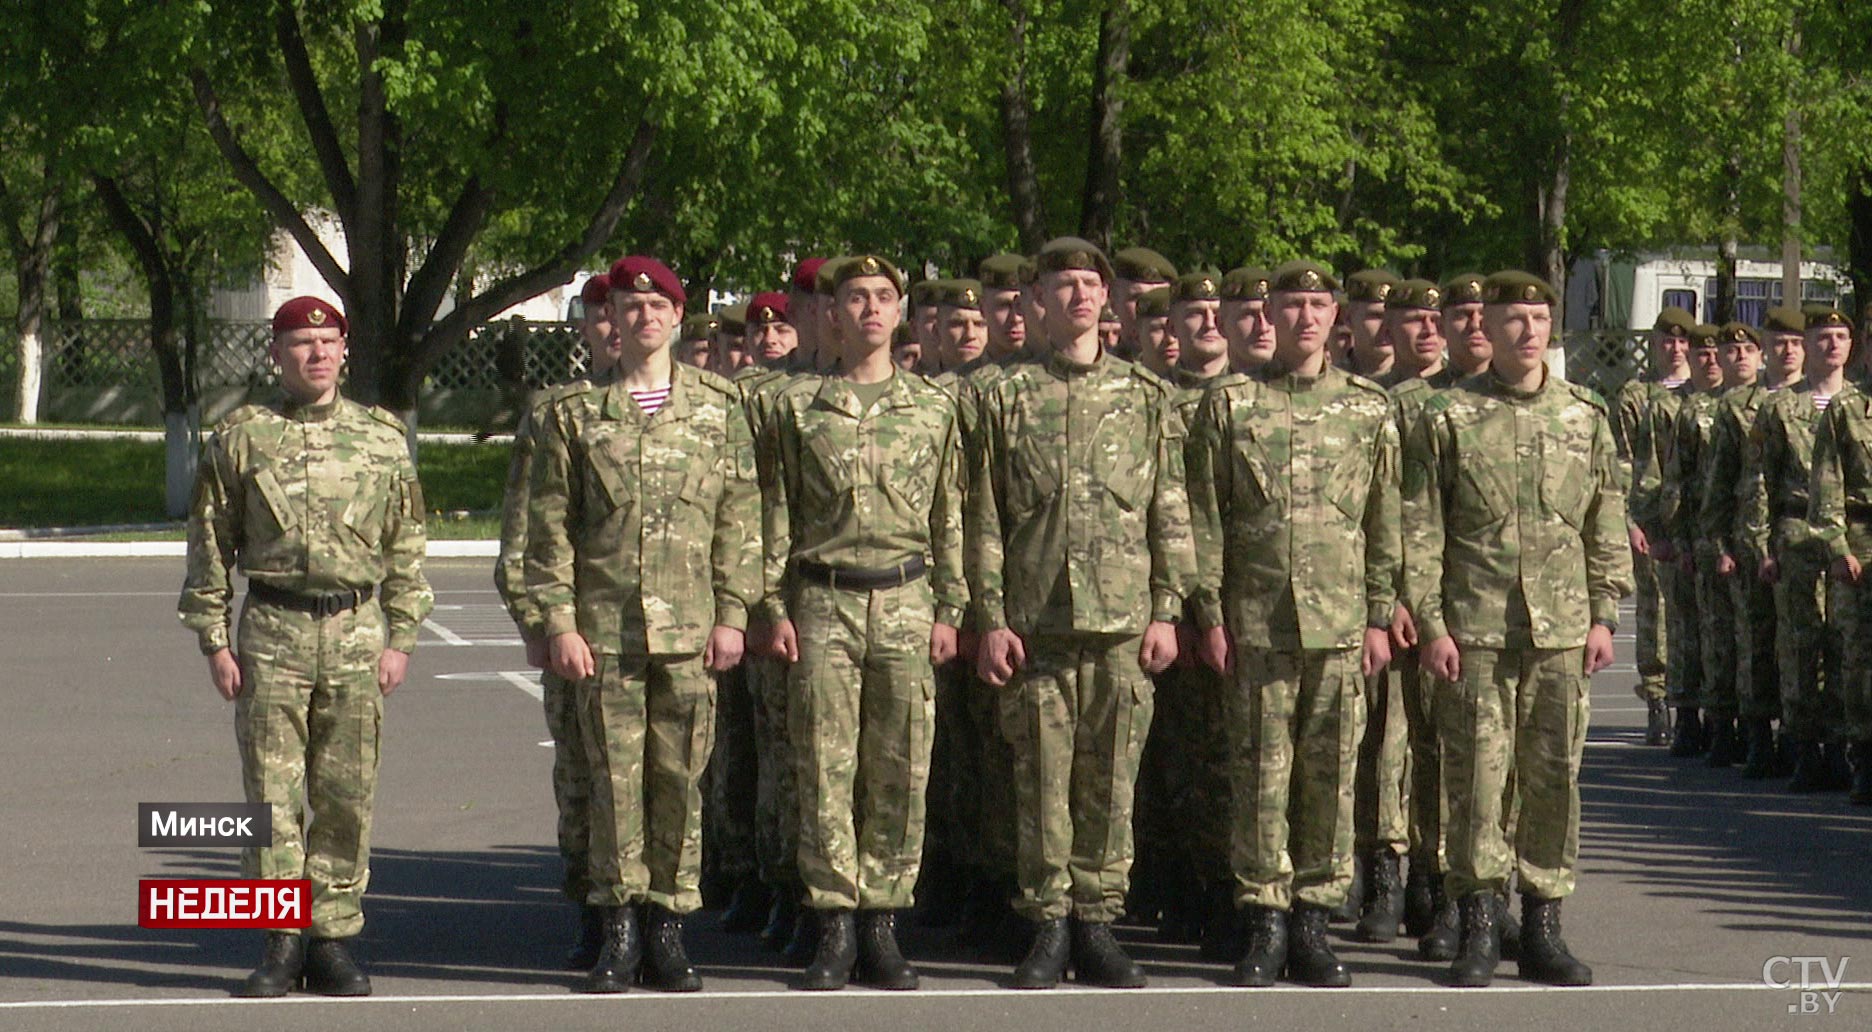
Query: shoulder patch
pixel 1367 384
pixel 1438 402
pixel 239 416
pixel 1138 370
pixel 1586 394
pixel 387 418
pixel 714 382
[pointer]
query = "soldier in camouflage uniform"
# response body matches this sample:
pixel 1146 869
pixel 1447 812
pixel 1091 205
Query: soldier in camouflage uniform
pixel 571 775
pixel 1469 346
pixel 1136 271
pixel 1515 562
pixel 1370 352
pixel 642 566
pixel 1732 481
pixel 1840 510
pixel 867 464
pixel 1078 557
pixel 1245 320
pixel 315 500
pixel 1001 277
pixel 1295 487
pixel 1699 610
pixel 1807 599
pixel 1632 421
pixel 1157 347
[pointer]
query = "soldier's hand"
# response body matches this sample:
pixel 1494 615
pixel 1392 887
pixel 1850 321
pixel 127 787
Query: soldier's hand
pixel 1847 566
pixel 224 670
pixel 572 656
pixel 724 649
pixel 1159 648
pixel 1377 651
pixel 1598 649
pixel 1725 565
pixel 1403 630
pixel 943 646
pixel 1443 659
pixel 785 642
pixel 1217 650
pixel 1640 545
pixel 391 668
pixel 536 652
pixel 1769 571
pixel 1002 653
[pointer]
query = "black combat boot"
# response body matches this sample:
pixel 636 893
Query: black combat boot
pixel 1760 761
pixel 1097 959
pixel 1721 733
pixel 330 971
pixel 804 943
pixel 1657 722
pixel 1544 957
pixel 1045 963
pixel 1688 741
pixel 1355 895
pixel 1266 931
pixel 1222 928
pixel 1445 933
pixel 621 956
pixel 781 918
pixel 835 955
pixel 747 910
pixel 1310 958
pixel 584 951
pixel 881 965
pixel 665 963
pixel 1419 897
pixel 282 962
pixel 1508 929
pixel 1480 950
pixel 1384 903
pixel 1861 755
pixel 1809 768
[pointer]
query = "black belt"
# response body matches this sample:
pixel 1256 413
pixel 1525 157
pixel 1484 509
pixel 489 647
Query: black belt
pixel 852 578
pixel 1859 512
pixel 329 604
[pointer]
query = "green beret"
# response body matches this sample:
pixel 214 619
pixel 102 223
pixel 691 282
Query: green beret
pixel 1143 265
pixel 1704 335
pixel 1414 293
pixel 734 319
pixel 1825 315
pixel 1065 253
pixel 960 293
pixel 1514 287
pixel 1106 315
pixel 901 335
pixel 1004 271
pixel 1303 275
pixel 1370 285
pixel 1674 322
pixel 1463 289
pixel 1153 302
pixel 867 265
pixel 699 326
pixel 1740 332
pixel 1248 283
pixel 1203 285
pixel 822 280
pixel 923 292
pixel 1783 319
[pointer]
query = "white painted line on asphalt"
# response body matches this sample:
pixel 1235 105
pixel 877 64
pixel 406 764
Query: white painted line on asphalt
pixel 883 994
pixel 448 637
pixel 147 549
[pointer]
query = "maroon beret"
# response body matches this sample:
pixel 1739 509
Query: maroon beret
pixel 768 307
pixel 806 273
pixel 638 274
pixel 595 290
pixel 304 313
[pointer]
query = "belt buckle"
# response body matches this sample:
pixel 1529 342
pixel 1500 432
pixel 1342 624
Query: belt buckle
pixel 329 605
pixel 832 578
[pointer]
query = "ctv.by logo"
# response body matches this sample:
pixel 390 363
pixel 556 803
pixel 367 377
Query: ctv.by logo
pixel 1817 995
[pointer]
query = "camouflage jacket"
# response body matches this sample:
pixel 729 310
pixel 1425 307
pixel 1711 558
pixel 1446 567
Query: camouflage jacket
pixel 641 530
pixel 864 489
pixel 1840 499
pixel 1681 494
pixel 1781 449
pixel 1646 408
pixel 1728 483
pixel 510 565
pixel 1293 486
pixel 1077 517
pixel 1514 516
pixel 311 500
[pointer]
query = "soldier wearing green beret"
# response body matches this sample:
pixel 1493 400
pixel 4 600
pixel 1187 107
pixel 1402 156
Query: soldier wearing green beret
pixel 961 328
pixel 1689 605
pixel 1109 329
pixel 1245 320
pixel 1468 344
pixel 906 349
pixel 697 345
pixel 1136 271
pixel 1003 276
pixel 1515 562
pixel 1156 347
pixel 1370 354
pixel 924 299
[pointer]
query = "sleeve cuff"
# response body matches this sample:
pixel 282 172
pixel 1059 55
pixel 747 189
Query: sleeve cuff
pixel 1208 611
pixel 949 613
pixel 1166 606
pixel 1605 610
pixel 402 639
pixel 1378 614
pixel 212 640
pixel 771 610
pixel 991 616
pixel 559 621
pixel 1431 628
pixel 730 612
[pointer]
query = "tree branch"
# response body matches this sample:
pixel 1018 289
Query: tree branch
pixel 248 173
pixel 426 288
pixel 305 89
pixel 10 213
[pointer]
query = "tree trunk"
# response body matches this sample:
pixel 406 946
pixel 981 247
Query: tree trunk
pixel 1105 136
pixel 1791 180
pixel 33 266
pixel 1725 300
pixel 1017 136
pixel 1859 233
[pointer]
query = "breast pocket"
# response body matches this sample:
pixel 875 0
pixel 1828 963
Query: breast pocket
pixel 1257 487
pixel 272 514
pixel 912 464
pixel 1349 486
pixel 363 514
pixel 1483 492
pixel 1035 474
pixel 1566 484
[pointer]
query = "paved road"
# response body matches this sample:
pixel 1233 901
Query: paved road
pixel 1691 879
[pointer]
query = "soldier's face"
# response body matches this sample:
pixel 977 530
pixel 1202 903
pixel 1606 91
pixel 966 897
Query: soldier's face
pixel 1520 333
pixel 908 356
pixel 1198 326
pixel 1469 344
pixel 1070 300
pixel 1419 333
pixel 1741 361
pixel 1671 350
pixel 1109 332
pixel 1789 353
pixel 310 360
pixel 1250 332
pixel 963 333
pixel 645 320
pixel 1370 344
pixel 1706 366
pixel 774 341
pixel 1125 301
pixel 698 353
pixel 868 308
pixel 927 319
pixel 1158 348
pixel 1007 322
pixel 804 308
pixel 595 327
pixel 1303 323
pixel 1829 348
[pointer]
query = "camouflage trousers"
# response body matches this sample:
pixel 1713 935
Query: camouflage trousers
pixel 1808 645
pixel 647 724
pixel 1075 716
pixel 1685 655
pixel 571 782
pixel 979 780
pixel 731 780
pixel 1758 686
pixel 309 722
pixel 861 711
pixel 1180 814
pixel 1856 677
pixel 1295 718
pixel 1652 629
pixel 1514 732
pixel 1381 788
pixel 954 752
pixel 1427 806
pixel 776 800
pixel 1717 638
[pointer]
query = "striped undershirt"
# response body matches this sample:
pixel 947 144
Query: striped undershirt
pixel 1820 401
pixel 652 400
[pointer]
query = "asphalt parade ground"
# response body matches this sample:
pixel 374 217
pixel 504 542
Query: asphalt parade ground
pixel 1697 889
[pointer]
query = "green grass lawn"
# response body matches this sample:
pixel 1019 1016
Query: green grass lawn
pixel 94 483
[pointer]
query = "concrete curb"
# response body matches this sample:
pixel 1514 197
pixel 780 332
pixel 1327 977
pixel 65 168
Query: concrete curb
pixel 146 549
